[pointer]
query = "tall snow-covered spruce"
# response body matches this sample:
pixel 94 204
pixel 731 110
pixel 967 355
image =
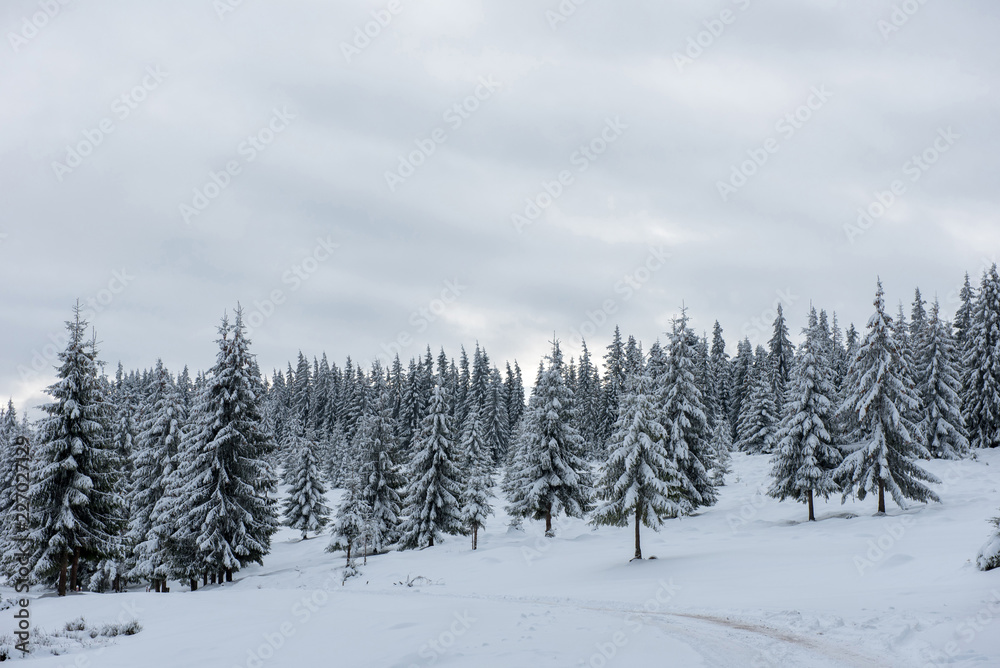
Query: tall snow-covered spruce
pixel 640 482
pixel 940 387
pixel 683 415
pixel 548 470
pixel 433 505
pixel 806 455
pixel 880 394
pixel 229 492
pixel 478 479
pixel 77 512
pixel 982 364
pixel 305 507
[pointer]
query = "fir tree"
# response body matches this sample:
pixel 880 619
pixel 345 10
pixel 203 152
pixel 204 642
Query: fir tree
pixel 77 511
pixel 982 364
pixel 758 418
pixel 682 413
pixel 806 455
pixel 433 496
pixel 353 521
pixel 305 508
pixel 380 481
pixel 880 396
pixel 940 386
pixel 781 356
pixel 229 490
pixel 477 464
pixel 640 482
pixel 161 421
pixel 548 470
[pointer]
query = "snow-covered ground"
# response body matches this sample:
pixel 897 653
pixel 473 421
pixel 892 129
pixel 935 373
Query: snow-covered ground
pixel 745 583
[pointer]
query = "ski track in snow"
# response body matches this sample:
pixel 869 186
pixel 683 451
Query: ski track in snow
pixel 720 641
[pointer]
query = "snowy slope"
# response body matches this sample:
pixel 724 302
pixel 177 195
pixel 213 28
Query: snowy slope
pixel 745 583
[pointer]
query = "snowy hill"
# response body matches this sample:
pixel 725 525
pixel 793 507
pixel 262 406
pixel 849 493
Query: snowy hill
pixel 745 583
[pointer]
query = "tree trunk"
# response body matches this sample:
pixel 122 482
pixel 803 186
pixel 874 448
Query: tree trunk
pixel 194 584
pixel 475 537
pixel 430 543
pixel 74 571
pixel 212 574
pixel 204 579
pixel 229 575
pixel 348 551
pixel 638 549
pixel 881 497
pixel 62 574
pixel 812 514
pixel 548 522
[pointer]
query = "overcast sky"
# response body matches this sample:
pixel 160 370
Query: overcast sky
pixel 628 124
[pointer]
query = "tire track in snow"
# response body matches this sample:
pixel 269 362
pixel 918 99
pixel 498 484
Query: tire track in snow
pixel 721 641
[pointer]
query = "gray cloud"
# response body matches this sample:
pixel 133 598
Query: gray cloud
pixel 323 177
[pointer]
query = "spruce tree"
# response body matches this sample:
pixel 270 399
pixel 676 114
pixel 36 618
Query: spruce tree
pixel 77 511
pixel 682 414
pixel 478 481
pixel 161 421
pixel 640 483
pixel 806 454
pixel 940 386
pixel 433 505
pixel 740 378
pixel 305 506
pixel 880 395
pixel 781 356
pixel 229 493
pixel 982 364
pixel 353 524
pixel 548 470
pixel 759 416
pixel 380 480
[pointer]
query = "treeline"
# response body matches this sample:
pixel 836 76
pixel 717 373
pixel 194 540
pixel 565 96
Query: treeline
pixel 156 477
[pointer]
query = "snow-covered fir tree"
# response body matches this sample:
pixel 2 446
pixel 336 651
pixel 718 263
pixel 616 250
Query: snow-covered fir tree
pixel 548 470
pixel 433 497
pixel 305 505
pixel 940 385
pixel 982 364
pixel 640 483
pixel 229 493
pixel 73 498
pixel 722 446
pixel 353 523
pixel 380 482
pixel 477 465
pixel 781 357
pixel 879 397
pixel 682 413
pixel 806 454
pixel 759 415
